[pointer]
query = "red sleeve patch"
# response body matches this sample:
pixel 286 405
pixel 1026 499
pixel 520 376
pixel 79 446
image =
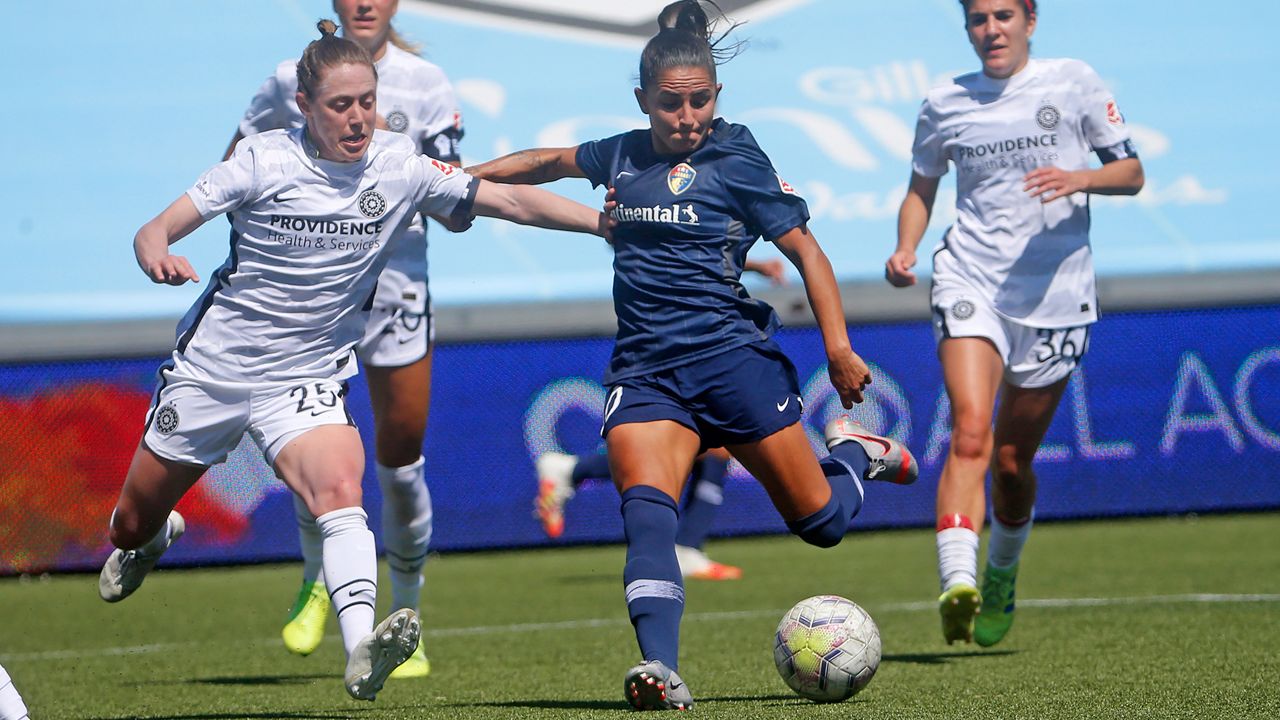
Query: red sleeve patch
pixel 1113 113
pixel 443 167
pixel 785 186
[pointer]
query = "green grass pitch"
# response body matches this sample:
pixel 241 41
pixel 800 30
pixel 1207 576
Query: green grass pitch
pixel 1155 618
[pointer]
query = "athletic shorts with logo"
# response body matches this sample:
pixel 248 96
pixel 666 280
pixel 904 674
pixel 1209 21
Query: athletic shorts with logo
pixel 199 423
pixel 739 396
pixel 401 325
pixel 1033 357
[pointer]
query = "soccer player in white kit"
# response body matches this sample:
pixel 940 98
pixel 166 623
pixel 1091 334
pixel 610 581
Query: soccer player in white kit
pixel 1013 284
pixel 414 99
pixel 315 212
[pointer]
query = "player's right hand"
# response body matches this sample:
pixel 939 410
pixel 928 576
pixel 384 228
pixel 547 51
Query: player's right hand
pixel 849 376
pixel 171 270
pixel 897 269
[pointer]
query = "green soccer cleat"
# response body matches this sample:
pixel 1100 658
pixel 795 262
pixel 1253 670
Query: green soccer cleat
pixel 305 629
pixel 997 603
pixel 415 667
pixel 958 606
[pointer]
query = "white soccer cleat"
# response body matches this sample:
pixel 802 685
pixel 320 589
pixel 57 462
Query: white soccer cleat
pixel 380 652
pixel 890 459
pixel 125 570
pixel 555 487
pixel 654 686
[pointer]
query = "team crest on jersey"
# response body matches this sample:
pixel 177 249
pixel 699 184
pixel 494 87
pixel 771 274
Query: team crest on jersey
pixel 166 419
pixel 397 121
pixel 1048 116
pixel 681 178
pixel 786 186
pixel 962 310
pixel 1113 113
pixel 372 204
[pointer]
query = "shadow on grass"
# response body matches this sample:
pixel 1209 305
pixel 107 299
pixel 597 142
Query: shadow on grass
pixel 942 658
pixel 232 716
pixel 599 578
pixel 258 680
pixel 622 707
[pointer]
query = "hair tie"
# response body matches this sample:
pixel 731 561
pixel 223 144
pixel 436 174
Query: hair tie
pixel 1030 10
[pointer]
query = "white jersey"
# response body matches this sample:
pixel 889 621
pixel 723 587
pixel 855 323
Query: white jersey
pixel 308 239
pixel 417 100
pixel 1032 260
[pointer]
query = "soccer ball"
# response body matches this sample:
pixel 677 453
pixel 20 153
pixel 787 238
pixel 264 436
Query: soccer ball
pixel 827 648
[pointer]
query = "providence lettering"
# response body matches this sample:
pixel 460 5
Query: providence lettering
pixel 1004 146
pixel 328 227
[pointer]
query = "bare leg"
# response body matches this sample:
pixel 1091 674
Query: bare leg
pixel 1021 423
pixel 971 369
pixel 152 487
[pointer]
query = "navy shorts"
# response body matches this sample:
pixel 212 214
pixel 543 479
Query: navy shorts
pixel 737 397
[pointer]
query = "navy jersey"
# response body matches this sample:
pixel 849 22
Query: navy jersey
pixel 685 224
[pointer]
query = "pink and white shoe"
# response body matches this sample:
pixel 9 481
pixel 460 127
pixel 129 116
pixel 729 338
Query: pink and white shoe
pixel 890 460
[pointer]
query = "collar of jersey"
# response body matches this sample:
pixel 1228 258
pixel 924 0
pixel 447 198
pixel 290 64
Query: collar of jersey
pixel 989 84
pixel 331 167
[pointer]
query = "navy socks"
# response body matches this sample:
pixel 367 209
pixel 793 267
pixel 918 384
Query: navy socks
pixel 654 588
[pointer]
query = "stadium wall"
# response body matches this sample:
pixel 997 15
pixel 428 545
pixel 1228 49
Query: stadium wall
pixel 1176 409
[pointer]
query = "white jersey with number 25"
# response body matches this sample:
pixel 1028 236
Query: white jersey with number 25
pixel 308 239
pixel 1031 259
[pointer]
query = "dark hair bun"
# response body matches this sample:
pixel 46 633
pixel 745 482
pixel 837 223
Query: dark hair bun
pixel 327 27
pixel 686 15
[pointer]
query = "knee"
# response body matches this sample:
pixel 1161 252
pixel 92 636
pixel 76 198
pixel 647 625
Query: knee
pixel 1009 463
pixel 971 439
pixel 334 496
pixel 825 528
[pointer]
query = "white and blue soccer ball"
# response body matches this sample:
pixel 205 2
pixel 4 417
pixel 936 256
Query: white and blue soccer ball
pixel 827 648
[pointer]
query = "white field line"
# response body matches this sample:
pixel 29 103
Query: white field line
pixel 587 623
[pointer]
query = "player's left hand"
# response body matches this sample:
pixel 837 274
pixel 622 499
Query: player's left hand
pixel 1050 183
pixel 607 221
pixel 849 376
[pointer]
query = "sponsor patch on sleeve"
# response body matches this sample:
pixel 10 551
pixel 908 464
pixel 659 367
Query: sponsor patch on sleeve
pixel 443 167
pixel 786 186
pixel 1113 113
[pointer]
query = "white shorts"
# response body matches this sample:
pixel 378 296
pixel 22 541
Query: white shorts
pixel 1033 357
pixel 401 327
pixel 200 423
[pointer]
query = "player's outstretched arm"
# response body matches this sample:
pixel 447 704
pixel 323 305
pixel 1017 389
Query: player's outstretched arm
pixel 534 206
pixel 913 220
pixel 530 167
pixel 1120 177
pixel 849 374
pixel 151 243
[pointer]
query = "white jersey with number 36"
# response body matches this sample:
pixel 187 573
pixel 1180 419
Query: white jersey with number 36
pixel 308 239
pixel 1032 260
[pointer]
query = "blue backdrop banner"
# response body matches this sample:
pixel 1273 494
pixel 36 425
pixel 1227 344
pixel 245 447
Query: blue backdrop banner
pixel 1172 412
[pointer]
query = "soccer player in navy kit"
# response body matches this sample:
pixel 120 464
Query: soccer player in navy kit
pixel 316 212
pixel 694 365
pixel 1013 284
pixel 415 99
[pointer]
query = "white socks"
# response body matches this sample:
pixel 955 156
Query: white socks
pixel 1005 545
pixel 311 541
pixel 957 557
pixel 11 705
pixel 406 530
pixel 350 571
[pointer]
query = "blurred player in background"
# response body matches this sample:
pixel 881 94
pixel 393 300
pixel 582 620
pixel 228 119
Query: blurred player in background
pixel 11 705
pixel 316 212
pixel 1013 284
pixel 414 99
pixel 559 476
pixel 694 364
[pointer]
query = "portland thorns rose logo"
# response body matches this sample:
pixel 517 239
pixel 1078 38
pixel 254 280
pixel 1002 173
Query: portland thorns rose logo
pixel 167 419
pixel 397 121
pixel 1048 117
pixel 372 204
pixel 962 310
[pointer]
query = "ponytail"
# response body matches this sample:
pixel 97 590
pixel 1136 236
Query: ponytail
pixel 329 51
pixel 686 39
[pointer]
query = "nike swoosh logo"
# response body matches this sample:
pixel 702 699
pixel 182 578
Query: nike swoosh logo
pixel 624 172
pixel 279 197
pixel 783 405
